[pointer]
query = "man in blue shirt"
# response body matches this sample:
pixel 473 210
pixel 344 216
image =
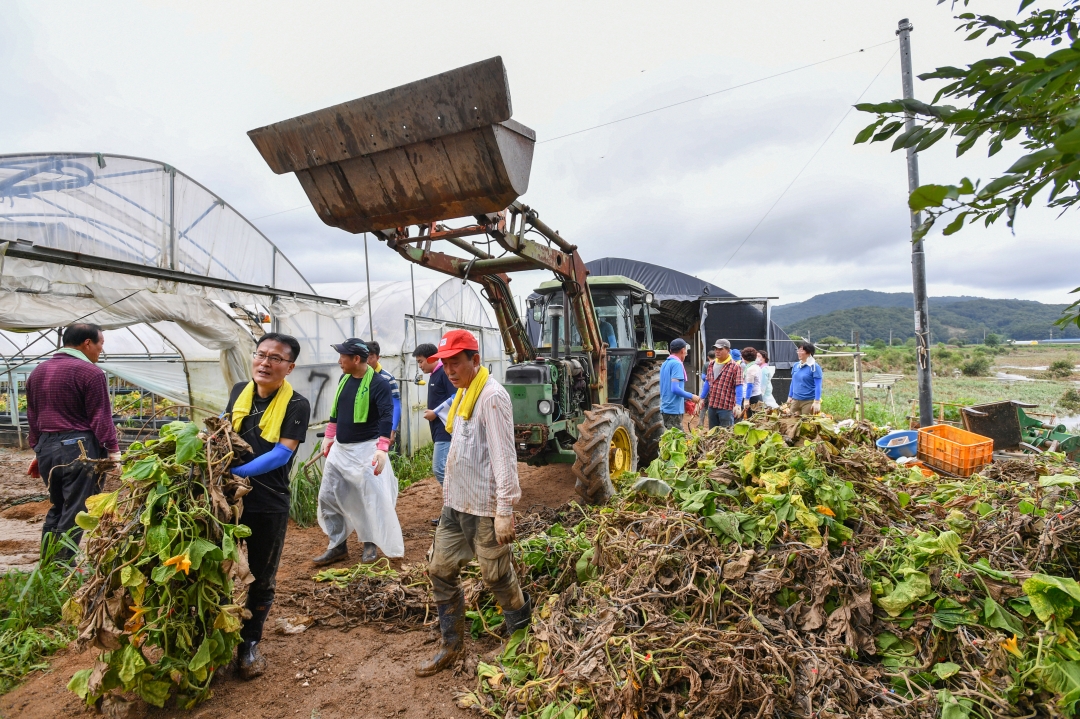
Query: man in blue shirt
pixel 395 391
pixel 804 397
pixel 673 396
pixel 440 389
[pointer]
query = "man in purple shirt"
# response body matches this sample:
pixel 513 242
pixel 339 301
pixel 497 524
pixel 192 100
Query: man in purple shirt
pixel 68 409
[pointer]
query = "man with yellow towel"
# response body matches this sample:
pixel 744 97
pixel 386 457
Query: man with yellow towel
pixel 274 421
pixel 479 492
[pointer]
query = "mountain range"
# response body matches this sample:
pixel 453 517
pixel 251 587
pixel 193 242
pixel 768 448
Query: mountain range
pixel 874 314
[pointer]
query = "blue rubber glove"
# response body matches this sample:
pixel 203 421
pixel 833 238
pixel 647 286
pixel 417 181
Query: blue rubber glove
pixel 279 456
pixel 397 413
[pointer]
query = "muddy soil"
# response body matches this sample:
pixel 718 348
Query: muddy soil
pixel 20 519
pixel 327 673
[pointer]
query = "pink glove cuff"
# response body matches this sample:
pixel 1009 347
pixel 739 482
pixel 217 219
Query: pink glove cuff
pixel 331 431
pixel 383 445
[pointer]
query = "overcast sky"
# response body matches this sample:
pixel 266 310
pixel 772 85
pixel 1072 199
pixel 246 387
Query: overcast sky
pixel 183 82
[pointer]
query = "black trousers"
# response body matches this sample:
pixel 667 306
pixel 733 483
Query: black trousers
pixel 68 480
pixel 264 554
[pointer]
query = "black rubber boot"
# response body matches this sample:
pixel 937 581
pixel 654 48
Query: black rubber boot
pixel 331 555
pixel 371 551
pixel 250 663
pixel 452 626
pixel 515 619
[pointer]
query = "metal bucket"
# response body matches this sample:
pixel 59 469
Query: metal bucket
pixel 435 149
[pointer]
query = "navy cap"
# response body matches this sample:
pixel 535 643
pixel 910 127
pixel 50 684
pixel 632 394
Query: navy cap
pixel 352 346
pixel 676 344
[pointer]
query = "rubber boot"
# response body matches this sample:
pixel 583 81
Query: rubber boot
pixel 331 555
pixel 452 626
pixel 250 663
pixel 371 551
pixel 515 619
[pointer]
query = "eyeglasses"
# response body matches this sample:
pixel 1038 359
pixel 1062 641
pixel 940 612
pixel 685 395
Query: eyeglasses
pixel 272 359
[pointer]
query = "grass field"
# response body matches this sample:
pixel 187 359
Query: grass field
pixel 1026 361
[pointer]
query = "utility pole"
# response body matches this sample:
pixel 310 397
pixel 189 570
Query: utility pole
pixel 918 256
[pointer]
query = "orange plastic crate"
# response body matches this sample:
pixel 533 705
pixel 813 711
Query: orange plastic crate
pixel 954 450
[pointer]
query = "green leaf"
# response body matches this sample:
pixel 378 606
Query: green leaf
pixel 200 548
pixel 955 226
pixel 1025 507
pixel 888 131
pixel 1052 596
pixel 1064 678
pixel 188 443
pixel 997 185
pixel 953 708
pixel 86 521
pixel 202 657
pixel 1059 480
pixel 1035 159
pixel 997 617
pixel 904 499
pixel 154 692
pixel 944 670
pixel 131 665
pixel 928 196
pixel 162 574
pixel 867 131
pixel 906 593
pixel 130 576
pixel 157 538
pixel 725 524
pixel 80 682
pixel 585 569
pixel 1069 142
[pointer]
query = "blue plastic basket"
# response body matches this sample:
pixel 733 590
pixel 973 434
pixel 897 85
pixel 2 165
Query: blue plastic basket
pixel 899 450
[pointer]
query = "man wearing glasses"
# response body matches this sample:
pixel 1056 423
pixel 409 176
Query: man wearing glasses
pixel 274 421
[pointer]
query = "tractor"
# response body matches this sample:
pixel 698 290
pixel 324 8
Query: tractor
pixel 400 164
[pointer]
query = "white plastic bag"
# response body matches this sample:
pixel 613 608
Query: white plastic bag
pixel 353 499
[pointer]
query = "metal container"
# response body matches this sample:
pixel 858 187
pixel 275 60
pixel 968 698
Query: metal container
pixel 434 149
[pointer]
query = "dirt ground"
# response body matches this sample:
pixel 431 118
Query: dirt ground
pixel 20 520
pixel 327 673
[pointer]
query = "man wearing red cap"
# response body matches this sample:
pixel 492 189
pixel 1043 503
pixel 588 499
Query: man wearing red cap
pixel 479 492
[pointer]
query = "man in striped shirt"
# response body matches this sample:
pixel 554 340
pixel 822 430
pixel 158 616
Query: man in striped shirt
pixel 479 493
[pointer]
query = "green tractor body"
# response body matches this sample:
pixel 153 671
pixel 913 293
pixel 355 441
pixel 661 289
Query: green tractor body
pixel 556 419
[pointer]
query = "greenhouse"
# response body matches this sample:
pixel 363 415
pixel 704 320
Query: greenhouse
pixel 184 284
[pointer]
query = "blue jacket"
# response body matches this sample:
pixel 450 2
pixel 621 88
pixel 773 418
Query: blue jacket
pixel 672 381
pixel 805 382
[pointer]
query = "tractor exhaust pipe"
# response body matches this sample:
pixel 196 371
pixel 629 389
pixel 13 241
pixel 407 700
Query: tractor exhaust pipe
pixel 556 312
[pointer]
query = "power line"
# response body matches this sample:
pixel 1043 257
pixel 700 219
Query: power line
pixel 803 168
pixel 715 92
pixel 279 212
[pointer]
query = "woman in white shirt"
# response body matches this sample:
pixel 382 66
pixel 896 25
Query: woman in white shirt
pixel 752 379
pixel 767 372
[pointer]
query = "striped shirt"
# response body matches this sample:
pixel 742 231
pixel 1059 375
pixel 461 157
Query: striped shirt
pixel 481 469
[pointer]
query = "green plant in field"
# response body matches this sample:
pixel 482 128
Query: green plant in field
pixel 992 340
pixel 30 604
pixel 410 470
pixel 1061 369
pixel 304 489
pixel 1070 400
pixel 976 367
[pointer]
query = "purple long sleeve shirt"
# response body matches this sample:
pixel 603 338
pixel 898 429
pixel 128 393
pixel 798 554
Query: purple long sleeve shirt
pixel 66 394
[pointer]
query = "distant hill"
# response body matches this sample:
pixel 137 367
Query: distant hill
pixel 823 304
pixel 965 319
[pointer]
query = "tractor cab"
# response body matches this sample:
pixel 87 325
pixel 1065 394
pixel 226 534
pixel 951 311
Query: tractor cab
pixel 622 315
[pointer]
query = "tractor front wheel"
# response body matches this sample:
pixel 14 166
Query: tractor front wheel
pixel 606 447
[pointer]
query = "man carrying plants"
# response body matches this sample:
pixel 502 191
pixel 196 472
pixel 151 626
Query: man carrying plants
pixel 479 493
pixel 68 410
pixel 274 421
pixel 804 397
pixel 359 490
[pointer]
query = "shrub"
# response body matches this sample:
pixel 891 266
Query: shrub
pixel 1070 400
pixel 830 341
pixel 878 344
pixel 1060 369
pixel 992 340
pixel 976 367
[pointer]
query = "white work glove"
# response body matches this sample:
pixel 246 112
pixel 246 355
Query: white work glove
pixel 327 443
pixel 816 407
pixel 379 461
pixel 736 411
pixel 117 464
pixel 504 528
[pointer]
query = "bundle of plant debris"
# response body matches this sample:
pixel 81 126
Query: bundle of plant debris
pixel 164 601
pixel 786 568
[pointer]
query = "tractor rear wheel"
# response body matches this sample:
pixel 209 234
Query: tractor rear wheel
pixel 643 401
pixel 606 447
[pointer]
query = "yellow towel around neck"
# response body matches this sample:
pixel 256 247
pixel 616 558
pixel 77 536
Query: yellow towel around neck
pixel 272 418
pixel 465 399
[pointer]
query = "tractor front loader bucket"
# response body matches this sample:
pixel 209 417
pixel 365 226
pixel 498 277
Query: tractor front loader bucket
pixel 435 149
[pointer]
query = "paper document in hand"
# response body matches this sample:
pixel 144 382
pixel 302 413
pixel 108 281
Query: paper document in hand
pixel 443 410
